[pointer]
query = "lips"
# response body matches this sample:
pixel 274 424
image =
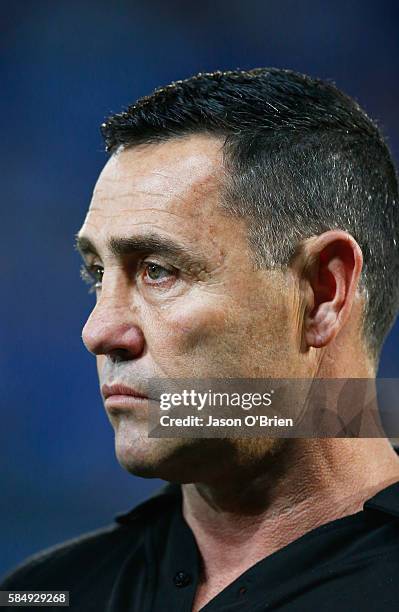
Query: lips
pixel 120 399
pixel 121 390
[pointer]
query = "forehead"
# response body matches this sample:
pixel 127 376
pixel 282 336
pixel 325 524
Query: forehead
pixel 167 182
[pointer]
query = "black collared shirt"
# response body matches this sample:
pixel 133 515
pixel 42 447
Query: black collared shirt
pixel 148 562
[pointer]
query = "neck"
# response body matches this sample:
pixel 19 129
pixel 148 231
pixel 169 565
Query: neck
pixel 239 520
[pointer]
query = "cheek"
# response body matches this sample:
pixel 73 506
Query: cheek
pixel 181 329
pixel 228 337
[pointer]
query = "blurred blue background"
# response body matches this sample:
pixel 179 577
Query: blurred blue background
pixel 64 67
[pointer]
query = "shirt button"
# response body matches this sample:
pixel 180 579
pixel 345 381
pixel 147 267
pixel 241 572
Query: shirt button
pixel 182 579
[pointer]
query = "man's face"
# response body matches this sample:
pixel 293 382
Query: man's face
pixel 179 296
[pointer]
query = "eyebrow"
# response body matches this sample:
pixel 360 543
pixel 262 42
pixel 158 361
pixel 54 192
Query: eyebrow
pixel 84 246
pixel 148 243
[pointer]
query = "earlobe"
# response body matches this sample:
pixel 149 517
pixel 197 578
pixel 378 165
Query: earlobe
pixel 332 279
pixel 322 326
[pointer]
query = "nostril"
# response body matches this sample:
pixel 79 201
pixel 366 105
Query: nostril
pixel 119 355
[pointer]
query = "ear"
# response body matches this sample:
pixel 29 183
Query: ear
pixel 333 265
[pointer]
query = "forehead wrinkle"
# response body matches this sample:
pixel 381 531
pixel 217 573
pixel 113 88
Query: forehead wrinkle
pixel 122 175
pixel 110 214
pixel 129 194
pixel 201 183
pixel 173 200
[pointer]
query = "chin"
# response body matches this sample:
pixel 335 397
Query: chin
pixel 145 459
pixel 180 460
pixel 149 457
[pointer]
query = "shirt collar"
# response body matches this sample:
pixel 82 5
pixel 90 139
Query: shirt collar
pixel 386 501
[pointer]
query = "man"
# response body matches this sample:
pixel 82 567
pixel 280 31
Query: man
pixel 246 225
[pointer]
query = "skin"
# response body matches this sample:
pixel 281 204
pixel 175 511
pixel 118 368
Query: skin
pixel 211 313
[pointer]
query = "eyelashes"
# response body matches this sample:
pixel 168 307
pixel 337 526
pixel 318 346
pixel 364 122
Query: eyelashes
pixel 155 274
pixel 90 277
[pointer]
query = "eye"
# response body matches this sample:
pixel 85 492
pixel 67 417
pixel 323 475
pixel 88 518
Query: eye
pixel 154 274
pixel 92 275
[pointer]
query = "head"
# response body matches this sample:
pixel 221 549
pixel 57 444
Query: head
pixel 245 225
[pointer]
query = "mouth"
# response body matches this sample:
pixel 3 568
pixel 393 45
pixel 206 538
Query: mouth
pixel 121 396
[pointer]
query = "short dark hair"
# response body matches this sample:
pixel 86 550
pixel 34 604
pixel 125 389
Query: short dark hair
pixel 302 158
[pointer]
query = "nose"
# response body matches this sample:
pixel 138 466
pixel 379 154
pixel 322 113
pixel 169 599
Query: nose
pixel 111 331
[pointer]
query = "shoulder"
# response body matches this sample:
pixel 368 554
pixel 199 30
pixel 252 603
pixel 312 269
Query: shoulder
pixel 94 555
pixel 69 559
